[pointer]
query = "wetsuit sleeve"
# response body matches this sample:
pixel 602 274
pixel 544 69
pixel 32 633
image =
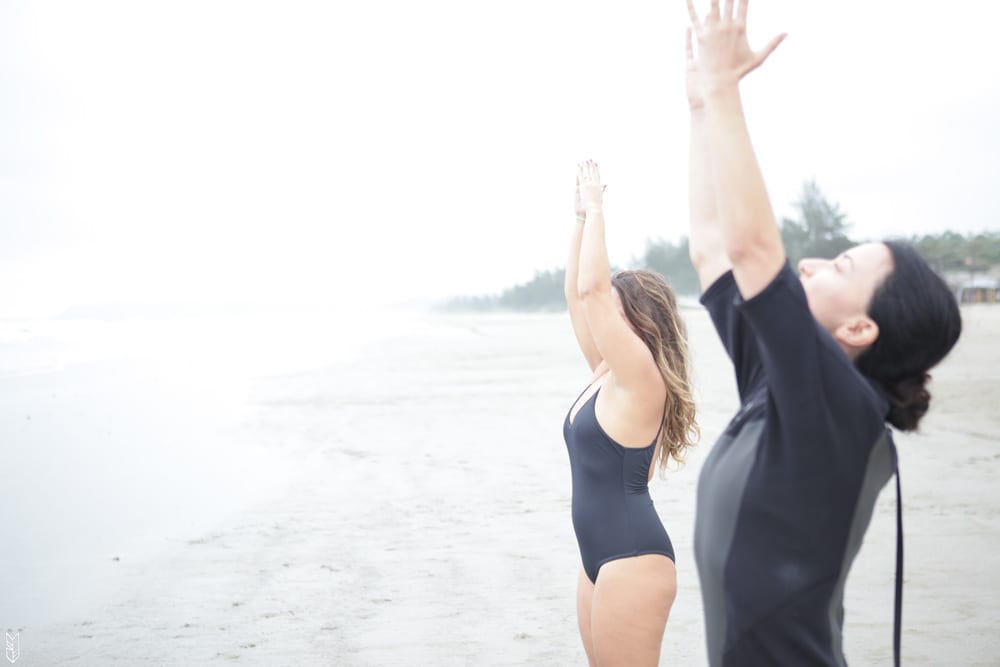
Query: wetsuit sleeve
pixel 721 300
pixel 816 392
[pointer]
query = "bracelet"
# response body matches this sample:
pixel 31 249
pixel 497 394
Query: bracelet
pixel 581 218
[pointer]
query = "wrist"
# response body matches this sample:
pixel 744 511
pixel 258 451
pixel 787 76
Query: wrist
pixel 722 87
pixel 594 210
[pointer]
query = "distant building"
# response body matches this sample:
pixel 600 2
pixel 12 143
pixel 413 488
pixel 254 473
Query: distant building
pixel 979 289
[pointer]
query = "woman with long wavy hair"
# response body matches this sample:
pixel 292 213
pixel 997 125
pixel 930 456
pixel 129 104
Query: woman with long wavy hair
pixel 636 415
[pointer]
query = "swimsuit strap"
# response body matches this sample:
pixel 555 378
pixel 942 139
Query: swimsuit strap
pixel 573 404
pixel 663 419
pixel 898 622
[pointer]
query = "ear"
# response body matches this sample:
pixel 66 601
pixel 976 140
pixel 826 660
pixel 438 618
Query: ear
pixel 858 332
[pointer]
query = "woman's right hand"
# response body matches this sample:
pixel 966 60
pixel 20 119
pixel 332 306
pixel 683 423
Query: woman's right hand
pixel 581 212
pixel 724 53
pixel 589 187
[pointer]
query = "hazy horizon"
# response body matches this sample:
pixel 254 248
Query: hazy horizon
pixel 315 155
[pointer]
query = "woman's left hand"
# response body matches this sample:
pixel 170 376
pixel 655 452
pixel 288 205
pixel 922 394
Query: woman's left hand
pixel 590 188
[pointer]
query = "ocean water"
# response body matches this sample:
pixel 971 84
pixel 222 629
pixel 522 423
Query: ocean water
pixel 120 438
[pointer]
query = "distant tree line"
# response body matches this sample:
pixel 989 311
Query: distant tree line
pixel 544 292
pixel 954 252
pixel 819 230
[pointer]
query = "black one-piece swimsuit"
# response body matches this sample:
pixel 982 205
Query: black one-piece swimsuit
pixel 613 515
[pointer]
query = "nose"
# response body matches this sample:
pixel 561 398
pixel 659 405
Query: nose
pixel 809 266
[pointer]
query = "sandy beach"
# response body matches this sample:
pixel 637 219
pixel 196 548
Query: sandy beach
pixel 419 514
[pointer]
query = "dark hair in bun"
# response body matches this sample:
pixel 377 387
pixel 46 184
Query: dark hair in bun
pixel 919 322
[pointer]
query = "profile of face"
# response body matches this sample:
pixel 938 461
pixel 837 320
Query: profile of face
pixel 839 291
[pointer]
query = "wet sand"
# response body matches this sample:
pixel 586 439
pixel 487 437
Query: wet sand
pixel 425 520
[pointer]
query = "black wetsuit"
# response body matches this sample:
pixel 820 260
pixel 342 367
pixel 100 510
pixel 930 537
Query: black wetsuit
pixel 786 494
pixel 613 515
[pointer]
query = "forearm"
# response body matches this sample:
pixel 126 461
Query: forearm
pixel 705 242
pixel 751 238
pixel 573 261
pixel 595 268
pixel 574 303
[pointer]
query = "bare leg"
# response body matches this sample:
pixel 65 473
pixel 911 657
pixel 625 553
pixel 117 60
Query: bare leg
pixel 584 597
pixel 629 610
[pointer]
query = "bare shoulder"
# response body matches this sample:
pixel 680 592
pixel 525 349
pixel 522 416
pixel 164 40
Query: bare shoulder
pixel 646 389
pixel 631 414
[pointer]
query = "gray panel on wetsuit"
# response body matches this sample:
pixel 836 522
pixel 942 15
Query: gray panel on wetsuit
pixel 881 465
pixel 721 500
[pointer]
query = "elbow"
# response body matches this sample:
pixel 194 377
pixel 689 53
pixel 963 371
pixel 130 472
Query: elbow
pixel 737 250
pixel 752 236
pixel 570 288
pixel 590 290
pixel 743 249
pixel 706 243
pixel 697 256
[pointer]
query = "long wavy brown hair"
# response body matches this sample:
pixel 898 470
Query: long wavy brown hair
pixel 651 308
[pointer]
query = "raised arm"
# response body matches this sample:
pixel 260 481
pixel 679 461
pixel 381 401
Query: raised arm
pixel 705 241
pixel 619 346
pixel 576 314
pixel 750 234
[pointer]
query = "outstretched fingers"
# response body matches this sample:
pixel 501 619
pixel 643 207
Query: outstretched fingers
pixel 768 50
pixel 741 11
pixel 587 173
pixel 693 14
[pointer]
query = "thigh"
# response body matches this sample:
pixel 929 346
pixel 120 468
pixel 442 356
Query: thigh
pixel 584 600
pixel 629 610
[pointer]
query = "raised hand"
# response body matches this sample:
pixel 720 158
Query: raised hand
pixel 589 186
pixel 724 53
pixel 581 212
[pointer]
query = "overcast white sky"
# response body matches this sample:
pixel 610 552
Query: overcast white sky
pixel 340 151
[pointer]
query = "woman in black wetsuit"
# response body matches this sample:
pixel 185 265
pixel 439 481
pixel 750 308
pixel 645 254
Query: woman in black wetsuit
pixel 636 412
pixel 824 357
